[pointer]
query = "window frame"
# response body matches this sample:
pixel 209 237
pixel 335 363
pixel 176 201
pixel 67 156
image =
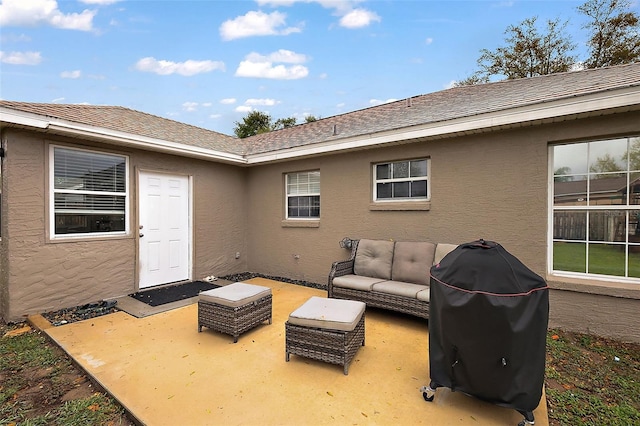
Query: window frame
pixel 583 205
pixel 392 200
pixel 52 191
pixel 287 196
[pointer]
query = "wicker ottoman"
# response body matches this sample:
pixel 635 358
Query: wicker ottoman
pixel 329 330
pixel 234 308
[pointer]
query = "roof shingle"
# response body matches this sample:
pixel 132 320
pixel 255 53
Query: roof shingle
pixel 450 104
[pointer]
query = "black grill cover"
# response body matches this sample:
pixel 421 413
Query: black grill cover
pixel 487 326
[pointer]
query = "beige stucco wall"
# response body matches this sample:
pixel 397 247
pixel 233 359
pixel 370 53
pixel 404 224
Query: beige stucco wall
pixel 41 275
pixel 492 186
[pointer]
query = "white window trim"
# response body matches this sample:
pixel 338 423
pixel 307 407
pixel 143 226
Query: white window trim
pixel 408 179
pixel 286 196
pixel 572 275
pixel 52 191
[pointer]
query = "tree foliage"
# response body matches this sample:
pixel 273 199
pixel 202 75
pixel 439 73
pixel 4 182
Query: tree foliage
pixel 254 123
pixel 529 52
pixel 257 122
pixel 614 33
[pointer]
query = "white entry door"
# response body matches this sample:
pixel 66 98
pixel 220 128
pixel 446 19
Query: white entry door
pixel 164 234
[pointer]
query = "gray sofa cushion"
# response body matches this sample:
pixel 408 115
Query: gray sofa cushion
pixel 235 295
pixel 399 288
pixel 423 295
pixel 330 314
pixel 373 259
pixel 443 249
pixel 355 282
pixel 412 262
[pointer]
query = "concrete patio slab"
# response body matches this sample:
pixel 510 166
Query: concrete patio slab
pixel 166 373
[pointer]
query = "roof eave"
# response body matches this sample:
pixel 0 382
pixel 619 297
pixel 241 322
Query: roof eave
pixel 553 111
pixel 76 130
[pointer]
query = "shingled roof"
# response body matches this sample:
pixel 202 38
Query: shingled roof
pixel 401 116
pixel 133 122
pixel 450 104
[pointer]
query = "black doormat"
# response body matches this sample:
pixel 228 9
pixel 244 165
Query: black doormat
pixel 160 296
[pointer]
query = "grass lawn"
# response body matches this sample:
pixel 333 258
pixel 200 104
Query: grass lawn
pixel 603 259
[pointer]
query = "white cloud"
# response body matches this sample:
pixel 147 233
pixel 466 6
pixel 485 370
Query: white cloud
pixel 14 38
pixel 380 102
pixel 260 66
pixel 359 18
pixel 43 12
pixel 190 106
pixel 71 74
pixel 20 58
pixel 228 101
pixel 187 68
pixel 243 108
pixel 215 116
pixel 451 84
pixel 99 2
pixel 351 17
pixel 256 24
pixel 428 41
pixel 57 100
pixel 261 102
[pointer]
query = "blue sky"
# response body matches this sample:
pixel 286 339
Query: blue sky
pixel 208 63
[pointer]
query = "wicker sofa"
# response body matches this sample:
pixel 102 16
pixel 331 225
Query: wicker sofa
pixel 388 274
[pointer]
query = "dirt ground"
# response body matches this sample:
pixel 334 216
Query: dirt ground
pixel 46 388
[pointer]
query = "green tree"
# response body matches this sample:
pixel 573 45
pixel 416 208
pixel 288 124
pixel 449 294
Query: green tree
pixel 475 78
pixel 529 52
pixel 614 37
pixel 558 174
pixel 257 122
pixel 311 118
pixel 283 123
pixel 254 123
pixel 605 164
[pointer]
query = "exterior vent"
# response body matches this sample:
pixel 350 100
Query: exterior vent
pixel 335 129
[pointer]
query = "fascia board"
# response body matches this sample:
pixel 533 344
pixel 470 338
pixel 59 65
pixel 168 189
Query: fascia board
pixel 146 143
pixel 628 97
pixel 66 128
pixel 22 119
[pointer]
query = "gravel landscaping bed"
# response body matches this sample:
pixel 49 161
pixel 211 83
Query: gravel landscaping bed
pixel 92 310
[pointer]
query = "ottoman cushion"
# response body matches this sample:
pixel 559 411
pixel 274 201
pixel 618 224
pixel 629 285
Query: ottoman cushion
pixel 330 314
pixel 234 295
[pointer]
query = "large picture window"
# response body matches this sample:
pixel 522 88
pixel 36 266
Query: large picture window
pixel 89 192
pixel 596 208
pixel 303 195
pixel 401 181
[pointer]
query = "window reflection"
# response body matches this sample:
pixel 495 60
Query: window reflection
pixel 570 190
pixel 596 207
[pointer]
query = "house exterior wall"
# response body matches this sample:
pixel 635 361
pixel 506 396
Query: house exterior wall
pixel 39 275
pixel 492 186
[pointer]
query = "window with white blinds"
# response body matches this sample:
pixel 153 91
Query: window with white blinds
pixel 303 195
pixel 89 192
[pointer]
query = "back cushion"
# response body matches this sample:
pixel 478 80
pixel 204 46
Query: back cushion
pixel 412 262
pixel 373 259
pixel 442 250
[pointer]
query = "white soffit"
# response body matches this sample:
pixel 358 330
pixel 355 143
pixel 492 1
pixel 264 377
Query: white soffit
pixel 548 111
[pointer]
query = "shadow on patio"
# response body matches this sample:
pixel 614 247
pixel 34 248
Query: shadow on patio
pixel 166 373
